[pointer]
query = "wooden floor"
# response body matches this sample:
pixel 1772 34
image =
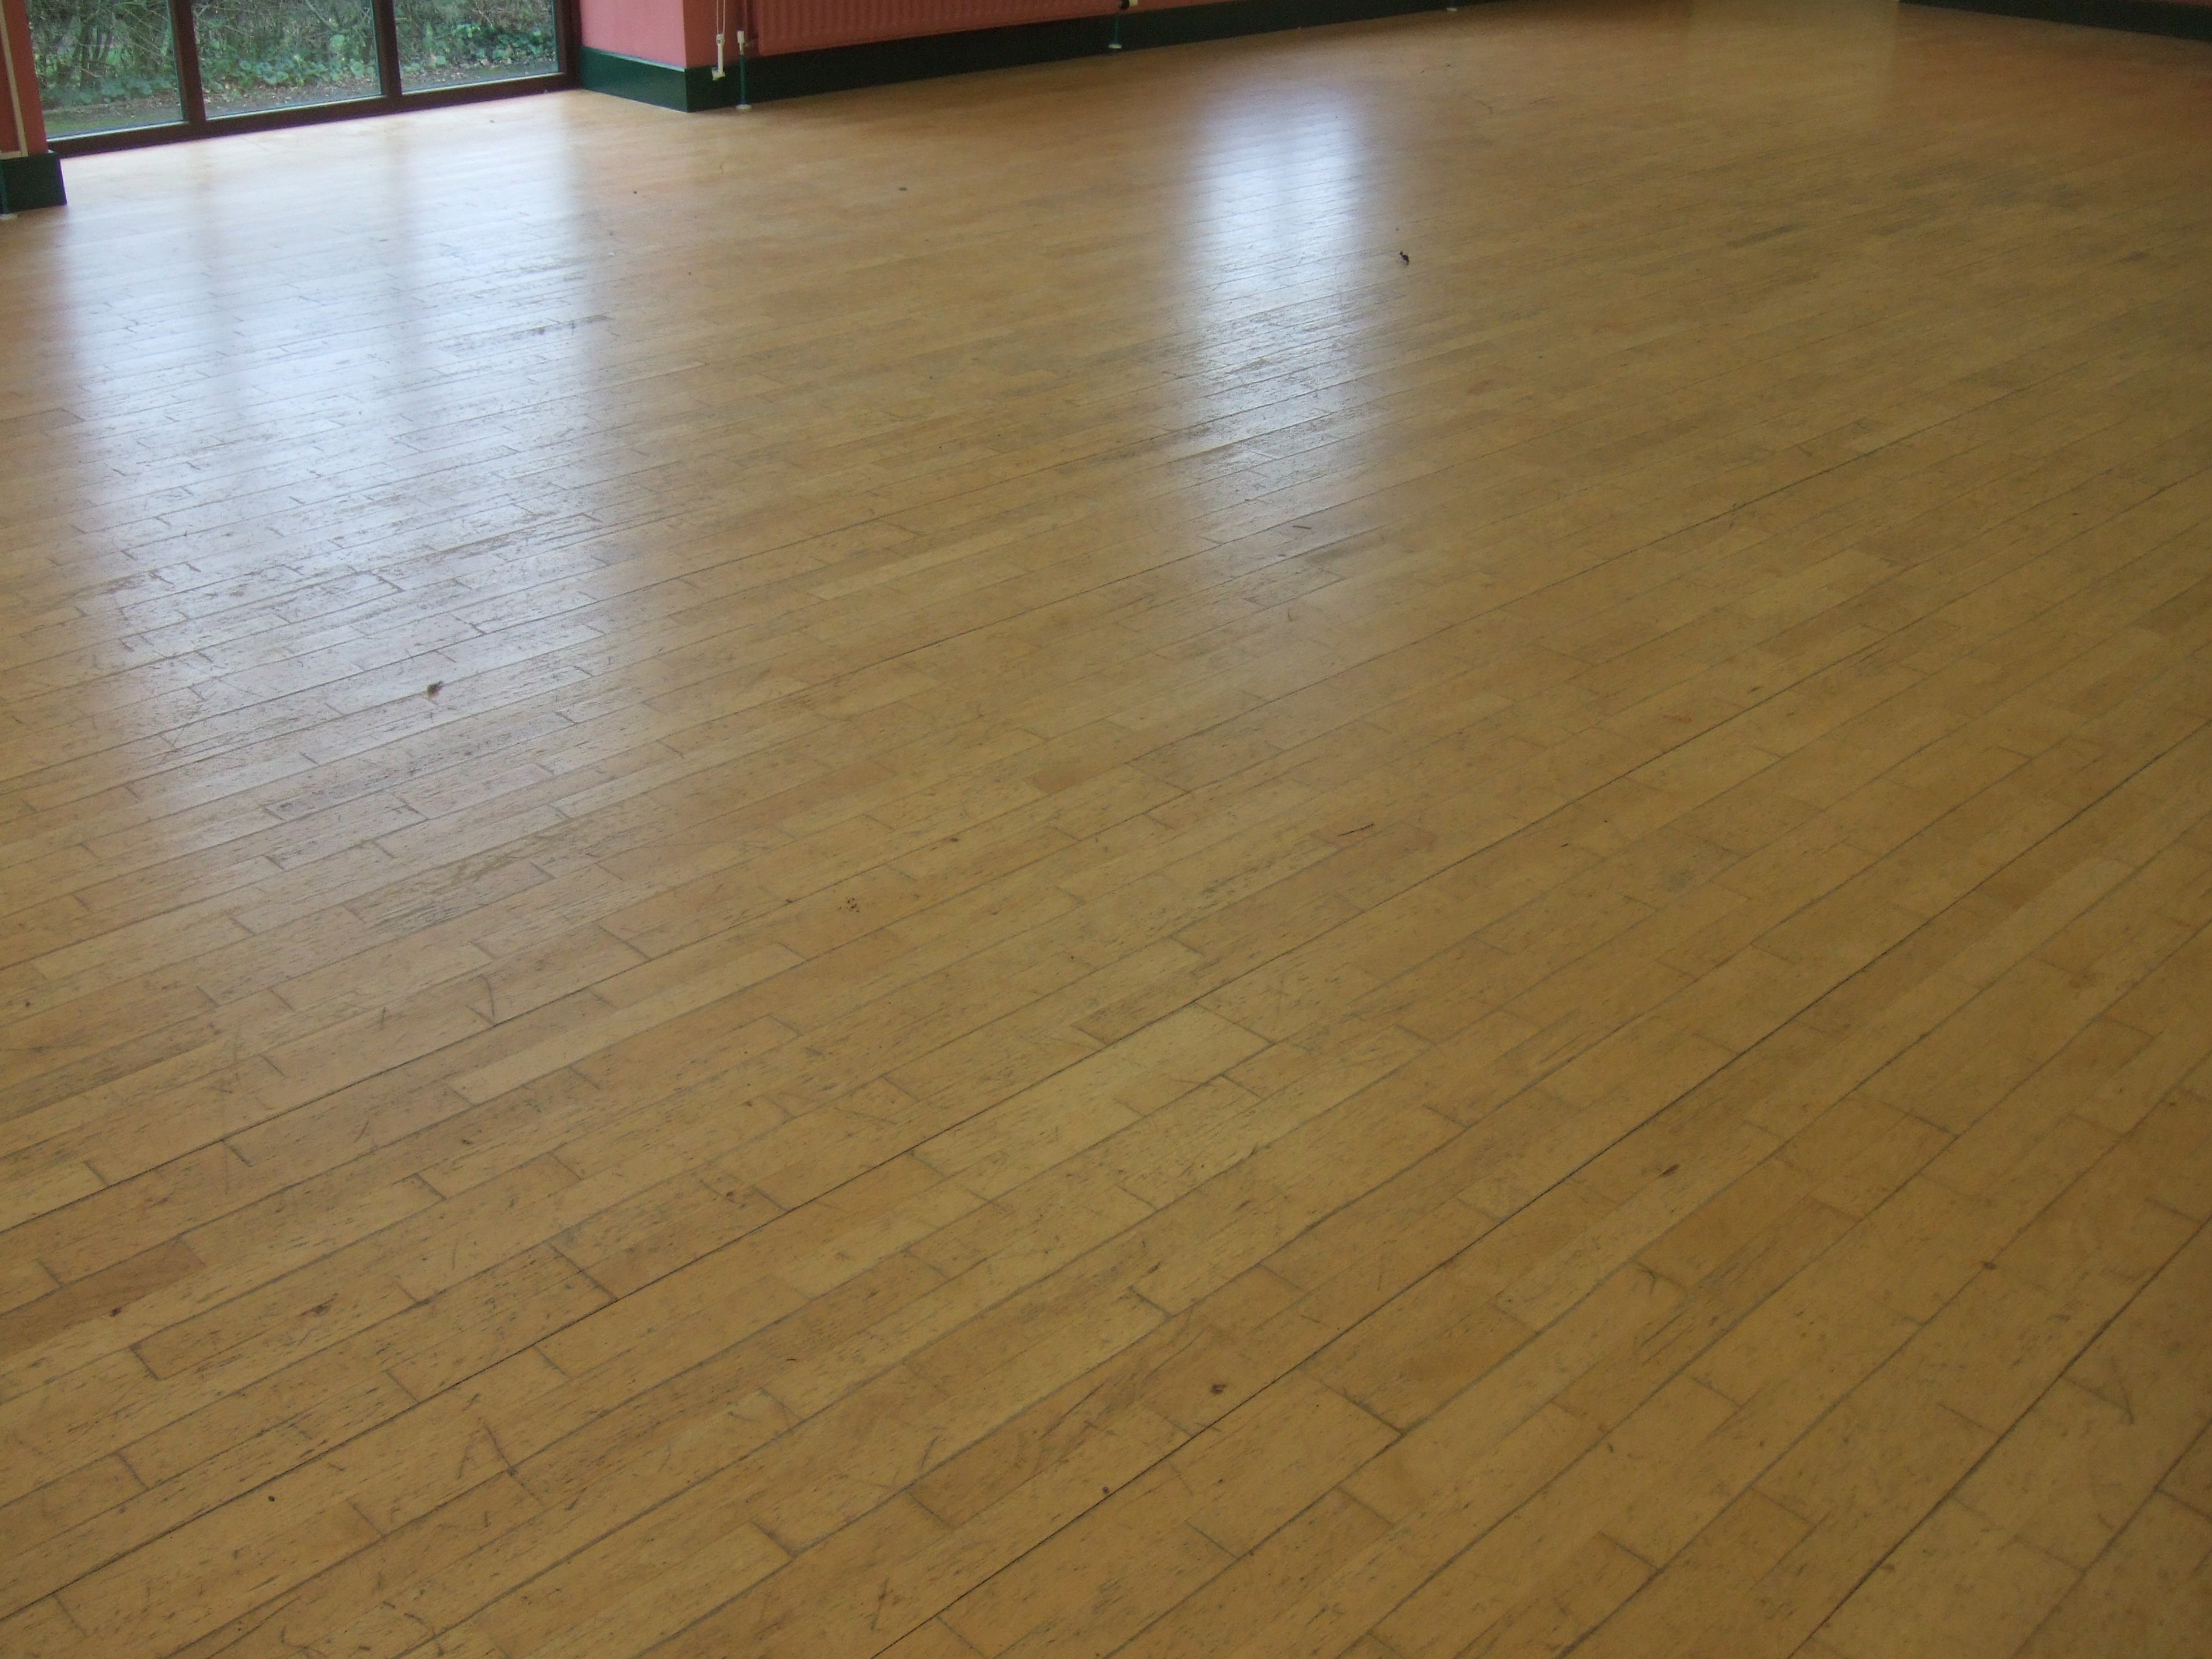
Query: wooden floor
pixel 924 874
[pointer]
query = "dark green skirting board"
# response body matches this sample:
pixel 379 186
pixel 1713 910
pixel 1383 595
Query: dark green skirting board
pixel 881 63
pixel 840 69
pixel 31 181
pixel 1177 26
pixel 2171 17
pixel 637 78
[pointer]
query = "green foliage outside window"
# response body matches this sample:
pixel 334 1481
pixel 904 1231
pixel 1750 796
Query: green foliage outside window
pixel 98 57
pixel 106 63
pixel 444 41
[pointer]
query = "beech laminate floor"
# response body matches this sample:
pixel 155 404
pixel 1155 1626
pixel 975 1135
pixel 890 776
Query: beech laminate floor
pixel 924 874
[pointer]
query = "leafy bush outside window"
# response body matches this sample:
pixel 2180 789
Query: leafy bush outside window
pixel 104 64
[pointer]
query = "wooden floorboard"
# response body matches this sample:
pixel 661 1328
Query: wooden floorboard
pixel 1392 842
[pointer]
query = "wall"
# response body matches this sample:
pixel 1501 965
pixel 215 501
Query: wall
pixel 661 52
pixel 817 25
pixel 672 32
pixel 32 134
pixel 30 174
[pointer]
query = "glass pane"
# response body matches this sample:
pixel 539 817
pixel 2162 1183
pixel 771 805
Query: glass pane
pixel 275 54
pixel 451 43
pixel 104 64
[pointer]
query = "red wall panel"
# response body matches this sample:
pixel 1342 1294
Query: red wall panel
pixel 809 24
pixel 652 29
pixel 21 126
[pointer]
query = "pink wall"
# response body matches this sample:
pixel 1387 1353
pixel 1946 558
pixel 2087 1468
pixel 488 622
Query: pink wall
pixel 812 24
pixel 681 33
pixel 676 32
pixel 17 22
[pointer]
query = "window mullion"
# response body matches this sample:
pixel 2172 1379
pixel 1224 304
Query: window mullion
pixel 183 33
pixel 387 47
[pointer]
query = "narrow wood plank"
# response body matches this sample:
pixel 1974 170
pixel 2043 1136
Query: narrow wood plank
pixel 923 875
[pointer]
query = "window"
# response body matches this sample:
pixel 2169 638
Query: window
pixel 115 71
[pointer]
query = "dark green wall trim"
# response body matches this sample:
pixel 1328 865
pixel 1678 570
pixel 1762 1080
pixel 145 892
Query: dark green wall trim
pixel 880 63
pixel 634 77
pixel 2138 17
pixel 1176 26
pixel 32 181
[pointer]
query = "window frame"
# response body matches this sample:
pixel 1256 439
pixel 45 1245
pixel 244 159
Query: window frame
pixel 391 98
